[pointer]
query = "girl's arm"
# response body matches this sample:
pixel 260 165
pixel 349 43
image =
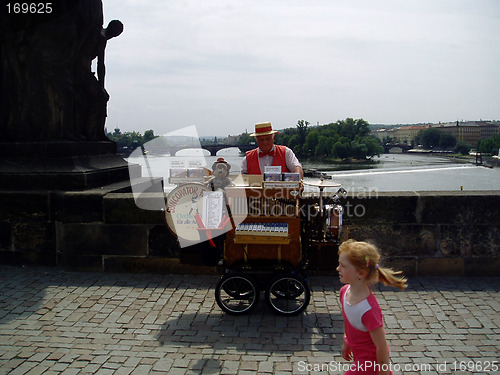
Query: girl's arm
pixel 346 351
pixel 378 337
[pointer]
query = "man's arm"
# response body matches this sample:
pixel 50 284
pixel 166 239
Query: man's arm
pixel 300 171
pixel 244 167
pixel 292 163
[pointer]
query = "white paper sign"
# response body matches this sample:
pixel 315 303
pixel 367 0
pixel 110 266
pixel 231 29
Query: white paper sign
pixel 213 202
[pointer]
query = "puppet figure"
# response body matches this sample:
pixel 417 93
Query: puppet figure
pixel 220 177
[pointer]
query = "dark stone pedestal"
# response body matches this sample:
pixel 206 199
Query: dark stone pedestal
pixel 61 204
pixel 61 165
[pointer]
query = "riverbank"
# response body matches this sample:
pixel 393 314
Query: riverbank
pixel 486 161
pixel 324 167
pixel 492 162
pixel 315 165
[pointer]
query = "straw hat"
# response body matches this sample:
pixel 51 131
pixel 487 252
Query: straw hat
pixel 263 128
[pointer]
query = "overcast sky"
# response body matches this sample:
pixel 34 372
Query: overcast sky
pixel 224 65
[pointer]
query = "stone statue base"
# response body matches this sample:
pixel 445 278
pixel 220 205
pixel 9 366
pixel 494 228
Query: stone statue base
pixel 62 165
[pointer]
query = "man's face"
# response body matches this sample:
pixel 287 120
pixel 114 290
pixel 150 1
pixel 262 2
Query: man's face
pixel 265 142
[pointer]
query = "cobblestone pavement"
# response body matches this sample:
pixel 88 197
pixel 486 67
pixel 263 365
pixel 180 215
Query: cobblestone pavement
pixel 53 321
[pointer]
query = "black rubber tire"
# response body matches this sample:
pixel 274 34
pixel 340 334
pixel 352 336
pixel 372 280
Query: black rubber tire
pixel 288 294
pixel 237 294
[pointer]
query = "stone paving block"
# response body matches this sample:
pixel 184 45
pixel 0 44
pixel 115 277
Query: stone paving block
pixel 103 371
pixel 124 324
pixel 124 370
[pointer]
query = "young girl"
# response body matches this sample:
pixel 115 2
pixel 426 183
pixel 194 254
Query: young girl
pixel 364 335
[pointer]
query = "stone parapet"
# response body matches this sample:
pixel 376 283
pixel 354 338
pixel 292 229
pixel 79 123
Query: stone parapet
pixel 430 233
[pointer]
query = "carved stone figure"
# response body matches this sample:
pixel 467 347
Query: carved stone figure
pixel 47 89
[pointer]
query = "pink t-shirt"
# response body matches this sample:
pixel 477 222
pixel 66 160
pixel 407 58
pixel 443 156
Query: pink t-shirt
pixel 359 320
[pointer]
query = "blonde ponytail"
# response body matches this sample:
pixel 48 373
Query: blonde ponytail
pixel 365 257
pixel 387 276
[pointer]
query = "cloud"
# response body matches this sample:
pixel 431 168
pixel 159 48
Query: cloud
pixel 224 65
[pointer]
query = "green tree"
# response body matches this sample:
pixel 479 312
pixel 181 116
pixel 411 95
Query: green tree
pixel 341 150
pixel 148 136
pixel 311 142
pixel 462 148
pixel 350 127
pixel 447 141
pixel 489 145
pixel 373 147
pixel 358 150
pixel 324 147
pixel 130 140
pixel 299 149
pixel 430 138
pixel 245 139
pixel 302 130
pixel 342 139
pixel 282 139
pixel 294 141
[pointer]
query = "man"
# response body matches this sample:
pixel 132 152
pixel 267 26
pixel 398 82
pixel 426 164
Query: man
pixel 268 153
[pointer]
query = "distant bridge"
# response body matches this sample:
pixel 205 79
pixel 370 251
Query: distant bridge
pixel 214 148
pixel 396 147
pixel 160 150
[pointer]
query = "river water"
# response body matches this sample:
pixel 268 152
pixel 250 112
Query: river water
pixel 389 172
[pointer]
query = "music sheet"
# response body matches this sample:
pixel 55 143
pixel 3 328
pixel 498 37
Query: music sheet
pixel 213 203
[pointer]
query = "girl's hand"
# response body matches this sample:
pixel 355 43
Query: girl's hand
pixel 346 352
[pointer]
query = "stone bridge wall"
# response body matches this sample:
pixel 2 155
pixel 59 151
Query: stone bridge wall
pixel 431 233
pixel 434 233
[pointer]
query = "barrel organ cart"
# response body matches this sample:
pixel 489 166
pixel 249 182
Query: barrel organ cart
pixel 268 247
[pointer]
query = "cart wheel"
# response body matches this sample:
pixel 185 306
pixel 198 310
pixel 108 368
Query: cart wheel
pixel 236 294
pixel 288 294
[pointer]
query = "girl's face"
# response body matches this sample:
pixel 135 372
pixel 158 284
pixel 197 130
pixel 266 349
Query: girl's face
pixel 347 272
